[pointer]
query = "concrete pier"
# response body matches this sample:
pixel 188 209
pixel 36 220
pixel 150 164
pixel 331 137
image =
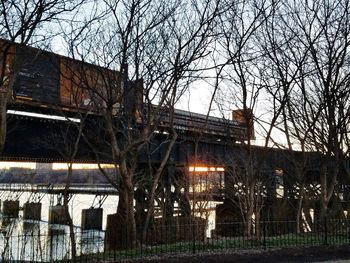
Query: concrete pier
pixel 32 211
pixel 57 215
pixel 91 219
pixel 115 237
pixel 10 208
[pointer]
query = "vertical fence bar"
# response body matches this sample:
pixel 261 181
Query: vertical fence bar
pixel 348 229
pixel 18 245
pixel 141 242
pixel 325 230
pixel 193 239
pixel 264 234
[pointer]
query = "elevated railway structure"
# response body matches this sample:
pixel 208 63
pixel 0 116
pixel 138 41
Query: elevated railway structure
pixel 50 92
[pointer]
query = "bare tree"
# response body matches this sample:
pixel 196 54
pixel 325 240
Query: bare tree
pixel 284 59
pixel 157 47
pixel 64 137
pixel 242 85
pixel 316 108
pixel 71 133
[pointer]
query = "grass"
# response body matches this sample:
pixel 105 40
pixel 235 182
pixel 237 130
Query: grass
pixel 222 243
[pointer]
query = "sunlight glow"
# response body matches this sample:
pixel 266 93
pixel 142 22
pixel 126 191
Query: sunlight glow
pixel 80 166
pixel 49 166
pixel 8 165
pixel 42 116
pixel 203 169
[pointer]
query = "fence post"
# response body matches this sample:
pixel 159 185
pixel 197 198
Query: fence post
pixel 264 234
pixel 347 228
pixel 193 237
pixel 325 229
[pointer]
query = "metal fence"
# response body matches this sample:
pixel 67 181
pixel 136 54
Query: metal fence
pixel 54 244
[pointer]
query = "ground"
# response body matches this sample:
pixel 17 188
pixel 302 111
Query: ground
pixel 310 254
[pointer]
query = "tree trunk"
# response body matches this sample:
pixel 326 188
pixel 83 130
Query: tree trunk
pixel 257 225
pixel 250 204
pixel 130 216
pixel 66 211
pixel 323 181
pixel 155 182
pixel 328 178
pixel 122 200
pixel 249 225
pixel 299 208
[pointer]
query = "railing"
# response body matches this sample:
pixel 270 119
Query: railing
pixel 95 189
pixel 54 244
